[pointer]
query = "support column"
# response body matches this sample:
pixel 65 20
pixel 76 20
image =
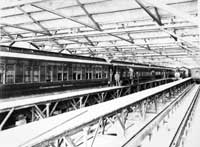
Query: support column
pixel 47 109
pixel 85 136
pixel 6 118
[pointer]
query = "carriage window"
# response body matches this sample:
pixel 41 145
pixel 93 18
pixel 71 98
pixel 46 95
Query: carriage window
pixel 1 74
pixel 65 73
pixel 10 74
pixel 60 72
pixel 19 73
pixel 77 72
pixel 105 72
pixel 49 73
pixel 88 72
pixel 42 73
pixel 36 72
pixel 55 72
pixel 124 74
pixel 27 73
pixel 98 72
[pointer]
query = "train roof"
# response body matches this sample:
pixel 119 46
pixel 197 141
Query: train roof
pixel 16 52
pixel 139 65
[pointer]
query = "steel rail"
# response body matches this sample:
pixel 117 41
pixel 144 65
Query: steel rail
pixel 181 128
pixel 137 137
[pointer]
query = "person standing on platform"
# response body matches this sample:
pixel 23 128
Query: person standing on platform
pixel 117 79
pixel 110 82
pixel 131 75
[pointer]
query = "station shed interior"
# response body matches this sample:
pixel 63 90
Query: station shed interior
pixel 115 64
pixel 163 32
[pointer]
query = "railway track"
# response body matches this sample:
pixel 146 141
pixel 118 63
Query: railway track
pixel 179 137
pixel 168 127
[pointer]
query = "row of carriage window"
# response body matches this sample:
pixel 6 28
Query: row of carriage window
pixel 20 73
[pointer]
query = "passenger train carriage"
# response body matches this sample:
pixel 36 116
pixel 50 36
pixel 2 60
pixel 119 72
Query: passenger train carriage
pixel 26 71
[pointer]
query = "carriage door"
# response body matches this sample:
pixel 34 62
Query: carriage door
pixel 49 73
pixel 2 74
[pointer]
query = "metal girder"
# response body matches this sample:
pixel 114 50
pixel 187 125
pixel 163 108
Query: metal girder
pixel 148 12
pixel 105 32
pixel 64 16
pixel 42 27
pixel 90 42
pixel 97 27
pixel 6 33
pixel 127 40
pixel 34 45
pixel 35 21
pixel 180 38
pixel 160 25
pixel 173 11
pixel 158 21
pixel 6 118
pixel 23 28
pixel 89 15
pixel 158 15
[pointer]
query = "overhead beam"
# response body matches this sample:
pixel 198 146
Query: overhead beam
pixel 173 11
pixel 180 38
pixel 129 36
pixel 90 42
pixel 97 27
pixel 127 40
pixel 64 16
pixel 148 12
pixel 160 26
pixel 158 15
pixel 89 15
pixel 35 21
pixel 34 45
pixel 97 33
pixel 168 54
pixel 6 33
pixel 24 3
pixel 23 28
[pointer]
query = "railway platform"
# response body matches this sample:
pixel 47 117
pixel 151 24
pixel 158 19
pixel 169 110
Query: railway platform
pixel 43 106
pixel 82 126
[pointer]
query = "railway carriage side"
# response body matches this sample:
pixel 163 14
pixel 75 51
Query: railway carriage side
pixel 137 73
pixel 22 73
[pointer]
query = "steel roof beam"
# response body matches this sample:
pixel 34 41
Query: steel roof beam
pixel 23 28
pixel 173 11
pixel 6 33
pixel 89 15
pixel 42 27
pixel 64 16
pixel 72 19
pixel 90 42
pixel 160 25
pixel 124 39
pixel 158 15
pixel 180 38
pixel 97 33
pixel 35 21
pixel 148 12
pixel 63 7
